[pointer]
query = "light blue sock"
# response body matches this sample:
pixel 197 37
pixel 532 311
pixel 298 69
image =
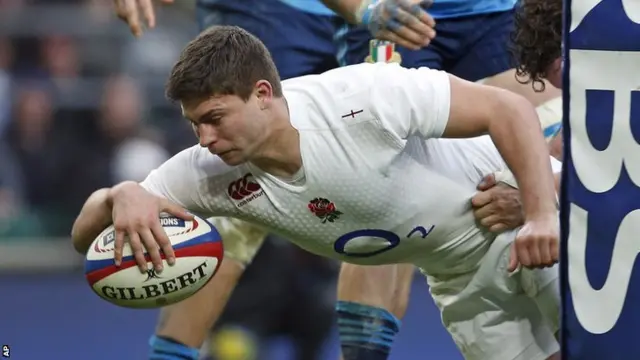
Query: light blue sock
pixel 366 332
pixel 163 348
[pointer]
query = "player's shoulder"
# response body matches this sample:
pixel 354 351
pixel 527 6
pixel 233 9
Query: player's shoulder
pixel 326 101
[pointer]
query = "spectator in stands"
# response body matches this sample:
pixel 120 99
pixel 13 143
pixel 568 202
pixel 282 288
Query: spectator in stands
pixel 35 149
pixel 6 61
pixel 135 149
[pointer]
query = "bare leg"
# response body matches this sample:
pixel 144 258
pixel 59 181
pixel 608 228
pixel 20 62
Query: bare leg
pixel 189 321
pixel 371 300
pixel 384 286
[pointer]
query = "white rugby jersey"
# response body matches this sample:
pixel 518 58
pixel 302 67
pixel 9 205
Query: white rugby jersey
pixel 374 191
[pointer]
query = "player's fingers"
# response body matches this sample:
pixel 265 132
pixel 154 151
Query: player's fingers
pixel 415 33
pixel 481 199
pixel 118 246
pixel 391 36
pixel 399 25
pixel 487 182
pixel 554 250
pixel 176 210
pixel 513 259
pixel 418 11
pixel 415 18
pixel 164 243
pixel 153 249
pixel 147 11
pixel 133 17
pixel 138 250
pixel 522 249
pixel 535 259
pixel 545 254
pixel 489 221
pixel 481 213
pixel 498 227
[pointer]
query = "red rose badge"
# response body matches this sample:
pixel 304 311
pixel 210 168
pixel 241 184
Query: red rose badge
pixel 324 209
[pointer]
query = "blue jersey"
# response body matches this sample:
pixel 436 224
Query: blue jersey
pixel 310 6
pixel 442 9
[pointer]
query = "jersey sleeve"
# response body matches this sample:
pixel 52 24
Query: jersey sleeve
pixel 177 180
pixel 411 101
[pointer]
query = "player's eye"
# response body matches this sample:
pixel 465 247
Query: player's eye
pixel 215 120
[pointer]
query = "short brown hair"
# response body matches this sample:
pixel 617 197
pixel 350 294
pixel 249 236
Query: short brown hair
pixel 222 60
pixel 536 40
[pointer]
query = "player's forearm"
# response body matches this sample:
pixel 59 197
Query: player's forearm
pixel 347 8
pixel 557 182
pixel 517 135
pixel 94 217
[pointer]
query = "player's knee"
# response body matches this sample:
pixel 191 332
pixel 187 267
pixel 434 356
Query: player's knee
pixel 555 356
pixel 404 278
pixel 241 240
pixel 164 348
pixel 383 286
pixel 366 332
pixel 543 286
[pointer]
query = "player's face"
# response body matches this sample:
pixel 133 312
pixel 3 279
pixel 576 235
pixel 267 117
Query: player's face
pixel 228 126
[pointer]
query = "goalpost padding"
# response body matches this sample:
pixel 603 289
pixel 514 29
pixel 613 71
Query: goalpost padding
pixel 600 214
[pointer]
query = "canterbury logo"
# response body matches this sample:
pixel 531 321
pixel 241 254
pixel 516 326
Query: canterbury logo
pixel 243 187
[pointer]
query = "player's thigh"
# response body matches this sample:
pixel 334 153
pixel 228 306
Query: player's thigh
pixel 300 43
pixel 241 240
pixel 485 50
pixel 485 55
pixel 489 314
pixel 543 286
pixel 383 286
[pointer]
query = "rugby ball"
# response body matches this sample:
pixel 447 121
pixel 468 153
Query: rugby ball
pixel 198 249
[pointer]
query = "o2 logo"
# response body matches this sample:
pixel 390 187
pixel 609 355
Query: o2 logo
pixel 392 239
pixel 609 170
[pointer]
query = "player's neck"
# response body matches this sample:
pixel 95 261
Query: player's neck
pixel 279 154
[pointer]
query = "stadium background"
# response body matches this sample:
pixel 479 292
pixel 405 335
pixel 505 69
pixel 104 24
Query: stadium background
pixel 55 58
pixel 82 107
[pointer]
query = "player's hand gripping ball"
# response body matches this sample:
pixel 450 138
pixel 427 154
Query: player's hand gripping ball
pixel 198 251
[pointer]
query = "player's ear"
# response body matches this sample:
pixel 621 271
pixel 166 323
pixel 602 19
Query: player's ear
pixel 264 92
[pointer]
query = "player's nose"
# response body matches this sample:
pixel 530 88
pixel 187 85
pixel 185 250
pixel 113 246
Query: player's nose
pixel 207 135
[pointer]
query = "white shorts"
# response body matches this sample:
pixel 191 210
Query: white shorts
pixel 494 315
pixel 241 240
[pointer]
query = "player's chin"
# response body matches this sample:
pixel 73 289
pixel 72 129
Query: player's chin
pixel 232 157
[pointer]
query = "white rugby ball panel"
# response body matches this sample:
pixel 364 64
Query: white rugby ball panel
pixel 178 230
pixel 131 288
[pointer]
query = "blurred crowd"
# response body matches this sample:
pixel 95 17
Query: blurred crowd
pixel 81 107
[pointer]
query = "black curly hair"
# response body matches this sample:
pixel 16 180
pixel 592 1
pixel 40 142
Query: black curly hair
pixel 536 40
